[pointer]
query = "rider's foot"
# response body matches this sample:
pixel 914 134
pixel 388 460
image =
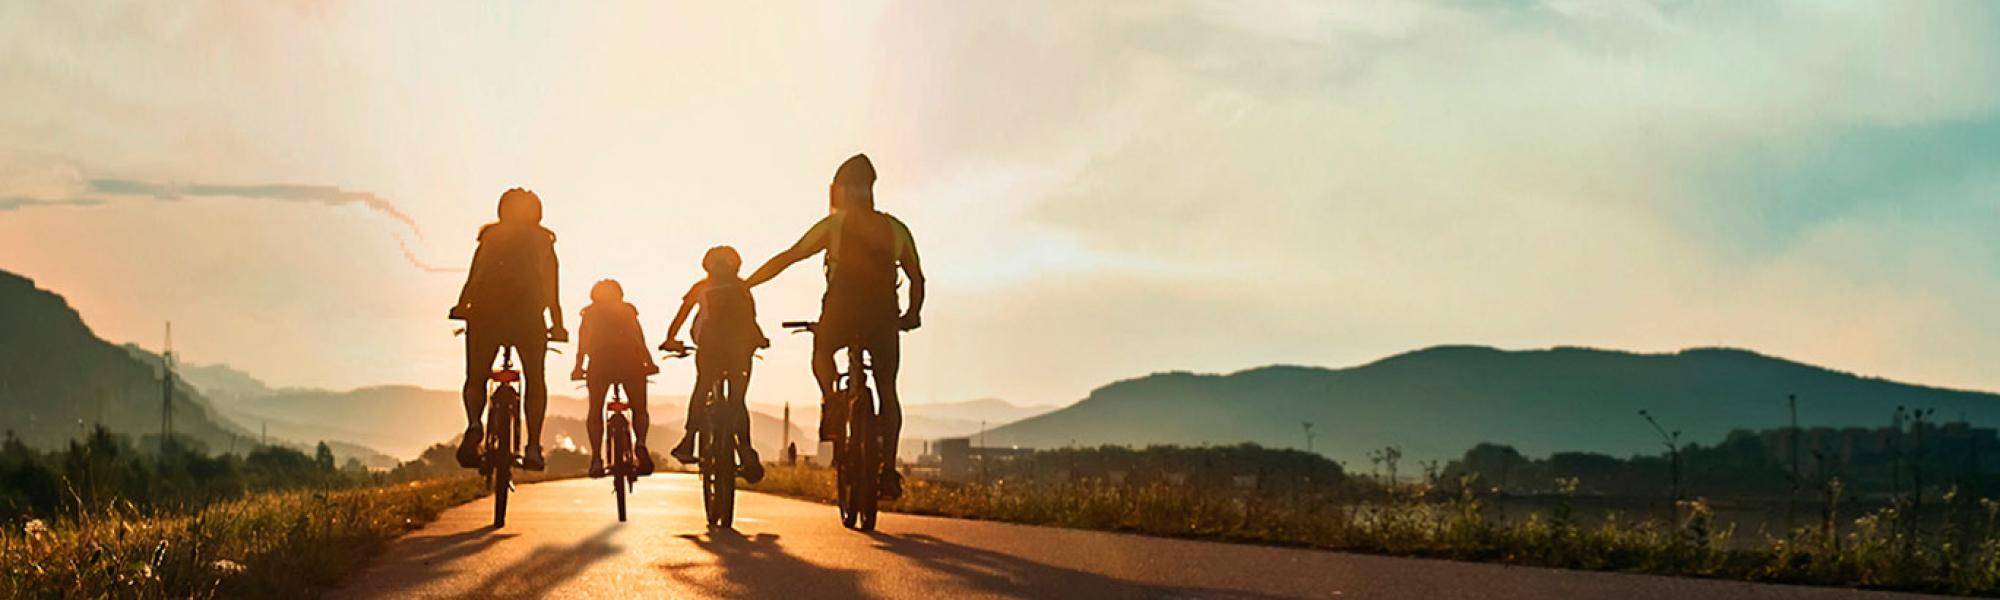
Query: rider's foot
pixel 468 449
pixel 533 460
pixel 753 469
pixel 645 458
pixel 890 486
pixel 684 451
pixel 596 467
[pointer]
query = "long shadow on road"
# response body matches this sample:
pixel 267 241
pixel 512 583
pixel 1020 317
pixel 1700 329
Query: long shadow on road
pixel 546 568
pixel 988 572
pixel 758 567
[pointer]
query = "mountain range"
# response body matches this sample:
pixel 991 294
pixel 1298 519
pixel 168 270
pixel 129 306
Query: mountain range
pixel 1435 403
pixel 57 378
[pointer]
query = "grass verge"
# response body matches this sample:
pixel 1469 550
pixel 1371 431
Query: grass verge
pixel 1964 559
pixel 264 545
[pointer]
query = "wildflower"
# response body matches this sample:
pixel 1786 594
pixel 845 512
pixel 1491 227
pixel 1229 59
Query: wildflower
pixel 36 529
pixel 228 567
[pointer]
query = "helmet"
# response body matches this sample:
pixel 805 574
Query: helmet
pixel 521 205
pixel 721 259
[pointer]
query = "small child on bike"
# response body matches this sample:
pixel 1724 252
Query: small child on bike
pixel 726 335
pixel 615 347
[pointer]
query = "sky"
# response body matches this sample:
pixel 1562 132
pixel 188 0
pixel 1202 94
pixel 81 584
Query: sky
pixel 1100 190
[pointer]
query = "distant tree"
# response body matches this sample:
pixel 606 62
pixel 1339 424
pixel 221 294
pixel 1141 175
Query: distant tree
pixel 323 457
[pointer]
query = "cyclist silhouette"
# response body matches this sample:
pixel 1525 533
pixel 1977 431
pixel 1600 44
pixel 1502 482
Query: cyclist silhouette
pixel 511 284
pixel 864 250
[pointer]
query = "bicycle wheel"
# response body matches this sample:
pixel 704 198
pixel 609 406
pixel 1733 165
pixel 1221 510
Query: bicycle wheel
pixel 498 456
pixel 725 480
pixel 621 455
pixel 865 464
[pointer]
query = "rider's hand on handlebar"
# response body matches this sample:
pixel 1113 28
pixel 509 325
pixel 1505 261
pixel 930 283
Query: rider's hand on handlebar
pixel 558 334
pixel 674 346
pixel 576 374
pixel 911 321
pixel 457 312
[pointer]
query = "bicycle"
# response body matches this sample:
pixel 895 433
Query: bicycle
pixel 717 452
pixel 857 450
pixel 501 448
pixel 624 467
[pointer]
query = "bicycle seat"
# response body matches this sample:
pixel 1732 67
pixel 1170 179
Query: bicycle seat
pixel 616 406
pixel 506 376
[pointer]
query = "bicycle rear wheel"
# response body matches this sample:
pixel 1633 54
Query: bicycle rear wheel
pixel 866 467
pixel 860 465
pixel 621 456
pixel 723 506
pixel 499 455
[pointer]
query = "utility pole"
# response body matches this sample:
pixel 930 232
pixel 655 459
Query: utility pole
pixel 1309 436
pixel 1792 500
pixel 787 435
pixel 167 391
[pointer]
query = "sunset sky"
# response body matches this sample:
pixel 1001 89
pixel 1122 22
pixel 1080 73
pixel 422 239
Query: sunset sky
pixel 1100 190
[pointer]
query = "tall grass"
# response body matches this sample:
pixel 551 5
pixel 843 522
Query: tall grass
pixel 1878 551
pixel 262 545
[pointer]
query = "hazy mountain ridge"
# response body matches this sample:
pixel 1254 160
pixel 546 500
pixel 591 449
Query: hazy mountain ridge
pixel 1436 402
pixel 57 377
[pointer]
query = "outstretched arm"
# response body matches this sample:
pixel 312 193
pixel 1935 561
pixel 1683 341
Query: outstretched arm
pixel 811 243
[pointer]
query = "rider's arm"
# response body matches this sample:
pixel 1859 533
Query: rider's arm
pixel 913 270
pixel 550 287
pixel 472 273
pixel 674 329
pixel 811 243
pixel 582 347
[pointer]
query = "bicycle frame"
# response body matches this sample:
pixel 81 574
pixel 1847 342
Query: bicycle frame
pixel 624 468
pixel 502 445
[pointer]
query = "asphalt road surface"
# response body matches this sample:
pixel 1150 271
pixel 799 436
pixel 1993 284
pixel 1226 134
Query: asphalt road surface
pixel 563 539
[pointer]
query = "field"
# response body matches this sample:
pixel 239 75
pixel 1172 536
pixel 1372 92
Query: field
pixel 262 545
pixel 1880 549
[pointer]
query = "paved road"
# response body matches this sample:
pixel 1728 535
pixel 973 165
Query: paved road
pixel 564 540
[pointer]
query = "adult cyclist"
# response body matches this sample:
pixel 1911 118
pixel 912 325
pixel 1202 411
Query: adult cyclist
pixel 864 250
pixel 511 284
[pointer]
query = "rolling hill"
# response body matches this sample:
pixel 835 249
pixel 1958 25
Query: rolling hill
pixel 1436 403
pixel 57 377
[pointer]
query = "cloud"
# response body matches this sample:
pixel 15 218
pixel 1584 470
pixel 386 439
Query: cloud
pixel 20 202
pixel 64 191
pixel 322 194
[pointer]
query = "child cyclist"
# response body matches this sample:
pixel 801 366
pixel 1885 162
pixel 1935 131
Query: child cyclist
pixel 726 335
pixel 615 347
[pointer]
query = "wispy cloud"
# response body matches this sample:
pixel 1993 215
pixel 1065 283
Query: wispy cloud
pixel 322 194
pixel 100 191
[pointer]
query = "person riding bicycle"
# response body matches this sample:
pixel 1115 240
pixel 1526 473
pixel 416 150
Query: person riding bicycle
pixel 864 250
pixel 611 339
pixel 511 284
pixel 726 336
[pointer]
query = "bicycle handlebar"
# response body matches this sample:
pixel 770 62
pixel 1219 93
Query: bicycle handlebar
pixel 799 325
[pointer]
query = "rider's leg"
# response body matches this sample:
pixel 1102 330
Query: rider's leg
pixel 825 372
pixel 479 350
pixel 739 386
pixel 886 352
pixel 534 353
pixel 642 421
pixel 593 417
pixel 593 423
pixel 684 451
